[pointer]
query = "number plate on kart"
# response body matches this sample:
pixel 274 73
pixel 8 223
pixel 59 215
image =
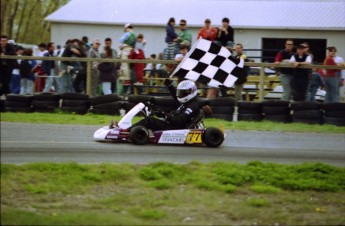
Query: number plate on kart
pixel 194 137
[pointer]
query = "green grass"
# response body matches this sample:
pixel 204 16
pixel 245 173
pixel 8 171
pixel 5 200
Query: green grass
pixel 164 193
pixel 93 119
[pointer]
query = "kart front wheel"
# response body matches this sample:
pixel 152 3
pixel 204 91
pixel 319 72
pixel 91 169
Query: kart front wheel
pixel 139 135
pixel 213 137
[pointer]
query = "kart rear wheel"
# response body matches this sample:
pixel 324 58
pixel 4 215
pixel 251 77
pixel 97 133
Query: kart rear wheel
pixel 139 135
pixel 213 137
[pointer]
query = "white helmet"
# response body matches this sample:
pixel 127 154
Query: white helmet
pixel 186 90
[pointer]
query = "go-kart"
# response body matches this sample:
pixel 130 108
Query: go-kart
pixel 194 134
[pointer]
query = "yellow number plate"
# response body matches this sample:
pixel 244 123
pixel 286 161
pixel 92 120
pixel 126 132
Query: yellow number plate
pixel 194 137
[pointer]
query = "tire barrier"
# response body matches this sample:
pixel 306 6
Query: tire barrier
pixel 222 108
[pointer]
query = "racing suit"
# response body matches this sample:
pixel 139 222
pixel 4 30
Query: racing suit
pixel 177 119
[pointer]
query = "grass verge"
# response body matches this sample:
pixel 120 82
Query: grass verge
pixel 164 193
pixel 93 119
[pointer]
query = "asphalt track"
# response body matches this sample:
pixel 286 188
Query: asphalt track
pixel 25 142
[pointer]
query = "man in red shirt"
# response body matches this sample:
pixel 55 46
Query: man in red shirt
pixel 332 78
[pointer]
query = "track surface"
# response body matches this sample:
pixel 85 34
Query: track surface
pixel 25 142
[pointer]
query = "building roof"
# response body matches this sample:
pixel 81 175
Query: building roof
pixel 263 14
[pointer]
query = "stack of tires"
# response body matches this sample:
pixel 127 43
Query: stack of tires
pixel 334 114
pixel 77 103
pixel 276 110
pixel 222 108
pixel 107 104
pixel 2 105
pixel 45 102
pixel 307 112
pixel 249 111
pixel 18 103
pixel 134 100
pixel 166 104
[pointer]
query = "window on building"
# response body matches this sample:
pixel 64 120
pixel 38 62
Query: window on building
pixel 271 46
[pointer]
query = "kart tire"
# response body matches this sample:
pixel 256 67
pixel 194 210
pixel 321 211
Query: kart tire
pixel 140 98
pixel 16 104
pixel 309 114
pixel 74 96
pixel 45 104
pixel 139 135
pixel 19 98
pixel 213 137
pixel 250 117
pixel 335 114
pixel 276 110
pixel 110 98
pixel 19 109
pixel 222 109
pixel 46 97
pixel 44 110
pixel 165 102
pixel 2 105
pixel 305 105
pixel 334 106
pixel 276 103
pixel 109 106
pixel 334 121
pixel 249 111
pixel 76 103
pixel 311 121
pixel 223 101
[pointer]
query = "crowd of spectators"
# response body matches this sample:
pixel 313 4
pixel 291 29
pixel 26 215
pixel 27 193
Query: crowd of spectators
pixel 29 76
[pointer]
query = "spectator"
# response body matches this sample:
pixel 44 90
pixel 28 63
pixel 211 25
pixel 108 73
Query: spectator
pixel 171 39
pixel 49 69
pixel 27 68
pixel 108 42
pixel 208 32
pixel 127 41
pixel 79 83
pixel 316 82
pixel 300 78
pixel 40 80
pixel 183 52
pixel 15 79
pixel 140 44
pixel 332 77
pixel 107 71
pixel 285 75
pixel 94 53
pixel 225 36
pixel 72 50
pixel 184 34
pixel 137 69
pixel 243 78
pixel 340 61
pixel 85 40
pixel 6 65
pixel 58 50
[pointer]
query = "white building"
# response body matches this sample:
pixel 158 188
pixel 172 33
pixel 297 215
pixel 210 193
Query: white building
pixel 257 24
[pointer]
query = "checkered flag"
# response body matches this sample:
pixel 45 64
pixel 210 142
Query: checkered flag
pixel 211 64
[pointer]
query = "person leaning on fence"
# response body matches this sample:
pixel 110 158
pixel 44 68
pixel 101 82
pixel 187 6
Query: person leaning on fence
pixel 316 82
pixel 107 71
pixel 225 35
pixel 49 69
pixel 285 74
pixel 15 78
pixel 108 42
pixel 243 77
pixel 6 65
pixel 127 43
pixel 300 78
pixel 332 77
pixel 94 53
pixel 27 69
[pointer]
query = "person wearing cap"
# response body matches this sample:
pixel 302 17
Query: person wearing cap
pixel 207 32
pixel 15 78
pixel 6 65
pixel 300 77
pixel 127 43
pixel 185 34
pixel 225 35
pixel 94 53
pixel 333 77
